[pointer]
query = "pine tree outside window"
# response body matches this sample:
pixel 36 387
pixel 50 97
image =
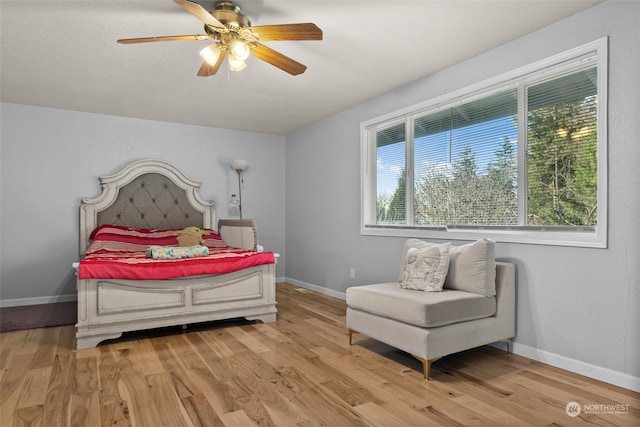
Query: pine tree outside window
pixel 521 158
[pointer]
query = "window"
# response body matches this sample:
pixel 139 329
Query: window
pixel 520 158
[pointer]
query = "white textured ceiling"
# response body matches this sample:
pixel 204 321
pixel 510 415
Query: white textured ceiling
pixel 63 54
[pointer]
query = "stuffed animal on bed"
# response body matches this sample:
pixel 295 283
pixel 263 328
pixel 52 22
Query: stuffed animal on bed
pixel 191 236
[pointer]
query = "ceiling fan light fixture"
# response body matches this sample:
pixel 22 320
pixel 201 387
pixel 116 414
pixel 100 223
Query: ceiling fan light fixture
pixel 210 54
pixel 236 65
pixel 237 39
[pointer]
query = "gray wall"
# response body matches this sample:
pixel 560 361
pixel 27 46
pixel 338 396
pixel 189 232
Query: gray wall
pixel 577 308
pixel 52 158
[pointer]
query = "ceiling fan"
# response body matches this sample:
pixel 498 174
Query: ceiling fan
pixel 237 39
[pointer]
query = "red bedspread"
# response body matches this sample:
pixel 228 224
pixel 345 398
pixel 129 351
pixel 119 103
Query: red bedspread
pixel 120 253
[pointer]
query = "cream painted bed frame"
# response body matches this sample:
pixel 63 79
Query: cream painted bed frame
pixel 109 307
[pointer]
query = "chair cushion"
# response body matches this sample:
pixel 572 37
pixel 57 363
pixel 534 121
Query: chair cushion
pixel 424 309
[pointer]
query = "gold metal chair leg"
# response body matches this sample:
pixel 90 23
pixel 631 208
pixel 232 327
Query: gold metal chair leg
pixel 351 331
pixel 426 366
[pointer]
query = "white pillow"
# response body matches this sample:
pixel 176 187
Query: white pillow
pixel 408 244
pixel 472 268
pixel 425 267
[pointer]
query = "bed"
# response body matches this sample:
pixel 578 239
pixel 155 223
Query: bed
pixel 148 202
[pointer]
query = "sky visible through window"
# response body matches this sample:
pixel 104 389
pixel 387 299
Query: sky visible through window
pixel 432 151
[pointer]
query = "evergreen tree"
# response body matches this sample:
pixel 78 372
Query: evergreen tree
pixel 562 162
pixel 397 206
pixel 503 185
pixel 391 209
pixel 467 189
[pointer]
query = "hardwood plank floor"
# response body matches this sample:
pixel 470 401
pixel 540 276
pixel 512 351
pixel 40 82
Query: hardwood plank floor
pixel 298 371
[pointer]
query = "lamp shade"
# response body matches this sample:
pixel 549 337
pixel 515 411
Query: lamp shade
pixel 237 64
pixel 239 165
pixel 239 50
pixel 211 54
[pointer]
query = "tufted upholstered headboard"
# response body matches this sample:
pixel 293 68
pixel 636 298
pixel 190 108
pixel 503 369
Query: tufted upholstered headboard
pixel 147 193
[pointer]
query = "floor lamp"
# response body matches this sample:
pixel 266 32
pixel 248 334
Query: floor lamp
pixel 239 166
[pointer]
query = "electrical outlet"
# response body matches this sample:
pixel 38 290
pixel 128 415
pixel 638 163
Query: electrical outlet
pixel 352 273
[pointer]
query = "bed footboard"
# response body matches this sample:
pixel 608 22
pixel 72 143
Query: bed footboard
pixel 109 307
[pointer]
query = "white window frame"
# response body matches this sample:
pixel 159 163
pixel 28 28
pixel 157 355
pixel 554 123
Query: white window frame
pixel 595 237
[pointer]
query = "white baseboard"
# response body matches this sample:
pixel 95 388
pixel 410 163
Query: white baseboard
pixel 320 289
pixel 596 372
pixel 592 371
pixel 37 300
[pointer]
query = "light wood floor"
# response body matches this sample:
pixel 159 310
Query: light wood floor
pixel 299 371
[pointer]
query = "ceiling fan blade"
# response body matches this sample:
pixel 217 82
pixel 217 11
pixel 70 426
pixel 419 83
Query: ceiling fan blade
pixel 201 13
pixel 307 31
pixel 278 60
pixel 165 38
pixel 209 70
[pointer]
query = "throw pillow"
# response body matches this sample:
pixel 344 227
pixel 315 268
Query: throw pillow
pixel 408 244
pixel 425 268
pixel 472 268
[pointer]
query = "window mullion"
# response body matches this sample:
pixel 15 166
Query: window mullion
pixel 409 171
pixel 371 178
pixel 522 155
